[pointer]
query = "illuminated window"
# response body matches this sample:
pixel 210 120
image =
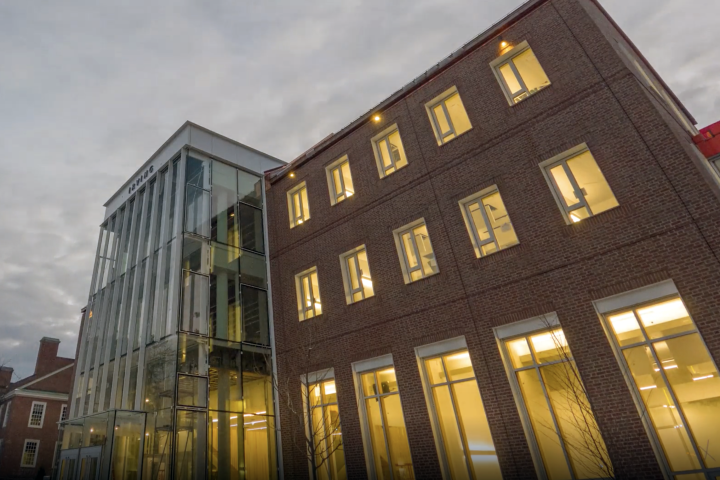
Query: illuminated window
pixel 63 413
pixel 462 433
pixel 37 415
pixel 448 116
pixel 488 222
pixel 389 151
pixel 356 275
pixel 308 294
pixel 675 381
pixel 324 427
pixel 561 428
pixel 339 180
pixel 30 452
pixel 384 433
pixel 519 73
pixel 578 184
pixel 417 258
pixel 298 206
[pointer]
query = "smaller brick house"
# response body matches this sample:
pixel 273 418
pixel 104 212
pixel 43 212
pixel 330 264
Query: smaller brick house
pixel 29 411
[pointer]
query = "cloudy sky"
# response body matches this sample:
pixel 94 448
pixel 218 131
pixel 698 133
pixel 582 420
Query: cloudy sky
pixel 89 90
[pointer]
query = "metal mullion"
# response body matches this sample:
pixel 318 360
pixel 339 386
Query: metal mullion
pixel 558 191
pixel 359 277
pixel 522 369
pixel 679 409
pixel 417 252
pixel 518 77
pixel 342 182
pixel 448 119
pixel 457 419
pixel 552 413
pixel 576 186
pixel 382 421
pixel 492 238
pixel 386 138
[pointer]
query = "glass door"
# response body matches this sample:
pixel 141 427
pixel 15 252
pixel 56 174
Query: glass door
pixel 68 465
pixel 90 463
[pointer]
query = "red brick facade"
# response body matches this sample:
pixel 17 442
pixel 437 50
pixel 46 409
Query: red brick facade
pixel 666 227
pixel 50 384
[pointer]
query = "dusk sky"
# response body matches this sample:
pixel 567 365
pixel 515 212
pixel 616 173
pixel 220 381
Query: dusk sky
pixel 89 90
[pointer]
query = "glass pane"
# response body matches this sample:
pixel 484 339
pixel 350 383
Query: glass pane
pixel 385 156
pixel 95 430
pixel 249 189
pixel 663 412
pixel 317 430
pixel 225 305
pixel 458 366
pixel 441 120
pixel 329 395
pixel 478 222
pixel 353 273
pixel 347 179
pixel 579 214
pixel 316 293
pixel 253 270
pixel 458 115
pixel 452 442
pixel 197 211
pixel 519 353
pixel 255 316
pixel 510 80
pixel 225 362
pixel 387 381
pixel 499 220
pixel 427 256
pixel 259 449
pixel 368 381
pixel 315 394
pixel 409 250
pixel 435 372
pixel 337 456
pixel 251 228
pixel 696 384
pixel 396 149
pixel 192 391
pixel 365 277
pixel 550 346
pixel 397 437
pixel 305 204
pixel 190 445
pixel 192 354
pixel 197 173
pixel 195 303
pixel 584 444
pixel 126 446
pixel 159 376
pixel 195 255
pixel 567 191
pixel 225 446
pixel 257 387
pixel 531 72
pixel 337 184
pixel 476 431
pixel 591 181
pixel 297 212
pixel 626 328
pixel 377 437
pixel 543 426
pixel 224 198
pixel 666 318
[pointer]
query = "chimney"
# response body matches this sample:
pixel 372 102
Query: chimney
pixel 47 355
pixel 5 378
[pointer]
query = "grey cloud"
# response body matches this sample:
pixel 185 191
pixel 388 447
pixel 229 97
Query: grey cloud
pixel 88 91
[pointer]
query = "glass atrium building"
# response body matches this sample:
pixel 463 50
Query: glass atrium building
pixel 174 366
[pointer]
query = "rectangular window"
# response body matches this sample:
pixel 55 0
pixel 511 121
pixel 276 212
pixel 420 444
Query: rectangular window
pixel 356 275
pixel 63 413
pixel 308 294
pixel 462 432
pixel 37 415
pixel 559 422
pixel 30 452
pixel 488 222
pixel 448 116
pixel 7 413
pixel 384 433
pixel 298 205
pixel 675 381
pixel 323 426
pixel 519 73
pixel 389 151
pixel 417 258
pixel 578 184
pixel 339 180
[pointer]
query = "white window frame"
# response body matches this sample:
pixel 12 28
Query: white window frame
pixel 562 159
pixel 7 414
pixel 440 100
pixel 337 164
pixel 42 415
pixel 402 255
pixel 297 218
pixel 347 281
pixel 505 58
pixel 63 412
pixel 476 198
pixel 300 292
pixel 365 366
pixel 378 156
pixel 635 299
pixel 37 452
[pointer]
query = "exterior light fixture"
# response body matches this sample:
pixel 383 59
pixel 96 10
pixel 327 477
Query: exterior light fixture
pixel 376 118
pixel 503 44
pixel 292 174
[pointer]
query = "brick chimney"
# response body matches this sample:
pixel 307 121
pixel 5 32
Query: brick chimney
pixel 5 378
pixel 47 355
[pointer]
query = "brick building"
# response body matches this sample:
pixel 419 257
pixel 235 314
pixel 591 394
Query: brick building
pixel 30 410
pixel 533 203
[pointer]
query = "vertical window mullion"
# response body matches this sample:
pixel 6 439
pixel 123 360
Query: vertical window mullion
pixel 491 232
pixel 359 276
pixel 384 428
pixel 578 191
pixel 342 183
pixel 447 119
pixel 389 152
pixel 518 77
pixel 417 252
pixel 453 402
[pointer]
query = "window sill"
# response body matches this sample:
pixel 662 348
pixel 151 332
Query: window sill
pixel 572 229
pixel 414 282
pixel 532 95
pixel 440 145
pixel 500 254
